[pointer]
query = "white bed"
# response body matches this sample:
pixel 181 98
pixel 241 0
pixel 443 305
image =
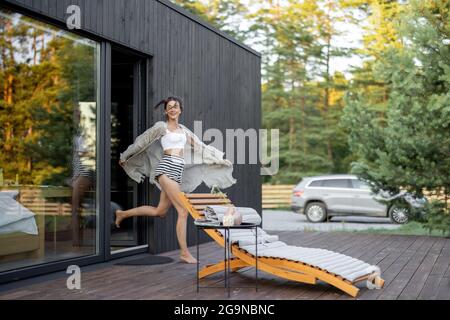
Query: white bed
pixel 14 217
pixel 22 232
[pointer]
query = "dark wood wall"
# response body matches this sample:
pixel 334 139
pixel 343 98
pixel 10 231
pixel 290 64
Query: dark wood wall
pixel 218 78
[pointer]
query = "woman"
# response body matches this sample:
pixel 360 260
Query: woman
pixel 83 177
pixel 164 153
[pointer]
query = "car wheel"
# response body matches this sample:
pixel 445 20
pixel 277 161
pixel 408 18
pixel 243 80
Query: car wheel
pixel 398 214
pixel 316 212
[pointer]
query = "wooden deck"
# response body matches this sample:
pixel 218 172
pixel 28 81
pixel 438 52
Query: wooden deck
pixel 414 267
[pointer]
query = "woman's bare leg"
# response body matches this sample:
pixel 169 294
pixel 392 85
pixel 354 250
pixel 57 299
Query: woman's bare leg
pixel 80 185
pixel 159 211
pixel 173 192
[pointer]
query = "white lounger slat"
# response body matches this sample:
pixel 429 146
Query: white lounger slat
pixel 251 240
pixel 356 267
pixel 292 253
pixel 357 274
pixel 347 267
pixel 325 257
pixel 311 253
pixel 264 247
pixel 339 262
pixel 273 252
pixel 282 253
pixel 312 257
pixel 348 273
pixel 336 262
pixel 247 240
pixel 249 232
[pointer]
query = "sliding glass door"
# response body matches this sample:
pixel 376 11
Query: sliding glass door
pixel 127 115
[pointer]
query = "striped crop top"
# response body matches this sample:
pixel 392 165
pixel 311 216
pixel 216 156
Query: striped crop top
pixel 173 140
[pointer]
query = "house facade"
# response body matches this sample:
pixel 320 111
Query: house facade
pixel 74 98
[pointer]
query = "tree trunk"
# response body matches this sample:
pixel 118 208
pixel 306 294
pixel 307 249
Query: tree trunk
pixel 8 134
pixel 292 121
pixel 9 99
pixel 446 198
pixel 30 160
pixel 327 104
pixel 291 132
pixel 34 48
pixel 327 82
pixel 302 123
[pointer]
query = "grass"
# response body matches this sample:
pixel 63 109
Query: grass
pixel 412 228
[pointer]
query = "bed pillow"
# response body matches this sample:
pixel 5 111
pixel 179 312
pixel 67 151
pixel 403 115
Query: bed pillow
pixel 9 193
pixel 27 225
pixel 12 211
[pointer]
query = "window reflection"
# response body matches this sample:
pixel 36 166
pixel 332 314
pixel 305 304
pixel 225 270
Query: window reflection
pixel 48 108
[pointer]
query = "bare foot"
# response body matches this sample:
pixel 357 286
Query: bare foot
pixel 119 218
pixel 188 258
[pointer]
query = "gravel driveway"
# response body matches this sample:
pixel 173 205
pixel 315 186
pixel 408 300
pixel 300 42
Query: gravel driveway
pixel 278 220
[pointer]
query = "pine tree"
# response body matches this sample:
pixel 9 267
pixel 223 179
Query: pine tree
pixel 409 148
pixel 226 15
pixel 42 85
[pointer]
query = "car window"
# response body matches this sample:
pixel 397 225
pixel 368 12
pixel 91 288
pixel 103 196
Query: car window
pixel 302 183
pixel 336 183
pixel 317 183
pixel 358 184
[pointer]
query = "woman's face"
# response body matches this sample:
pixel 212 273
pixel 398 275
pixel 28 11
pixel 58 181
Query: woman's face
pixel 173 110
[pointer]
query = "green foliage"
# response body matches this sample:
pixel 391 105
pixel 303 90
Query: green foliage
pixel 407 146
pixel 438 217
pixel 300 95
pixel 224 15
pixel 389 124
pixel 44 78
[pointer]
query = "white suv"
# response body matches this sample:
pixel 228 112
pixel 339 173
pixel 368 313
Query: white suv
pixel 336 195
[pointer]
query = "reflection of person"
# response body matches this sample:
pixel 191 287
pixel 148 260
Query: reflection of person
pixel 160 153
pixel 83 177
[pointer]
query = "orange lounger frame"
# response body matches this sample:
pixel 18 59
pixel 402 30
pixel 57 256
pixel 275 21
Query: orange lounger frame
pixel 287 269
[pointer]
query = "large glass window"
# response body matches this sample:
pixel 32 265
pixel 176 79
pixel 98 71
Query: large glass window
pixel 48 135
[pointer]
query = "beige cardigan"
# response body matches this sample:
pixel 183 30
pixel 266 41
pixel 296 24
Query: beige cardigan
pixel 203 163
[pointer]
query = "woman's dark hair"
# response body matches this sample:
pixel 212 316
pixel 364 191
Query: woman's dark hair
pixel 167 100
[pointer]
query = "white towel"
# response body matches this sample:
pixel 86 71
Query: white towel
pixel 216 212
pixel 218 209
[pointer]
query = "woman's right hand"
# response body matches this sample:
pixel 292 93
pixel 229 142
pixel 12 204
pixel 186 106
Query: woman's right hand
pixel 228 163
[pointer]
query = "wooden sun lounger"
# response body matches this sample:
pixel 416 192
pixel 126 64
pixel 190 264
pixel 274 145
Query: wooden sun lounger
pixel 285 268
